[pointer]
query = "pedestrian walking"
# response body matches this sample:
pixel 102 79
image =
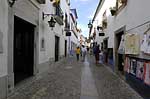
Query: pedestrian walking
pixel 84 51
pixel 96 53
pixel 77 53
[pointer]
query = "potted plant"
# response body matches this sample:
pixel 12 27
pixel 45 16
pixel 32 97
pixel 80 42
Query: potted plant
pixel 104 24
pixel 113 10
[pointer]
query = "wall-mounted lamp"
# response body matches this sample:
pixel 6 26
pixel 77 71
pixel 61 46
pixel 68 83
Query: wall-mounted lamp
pixel 51 22
pixel 11 2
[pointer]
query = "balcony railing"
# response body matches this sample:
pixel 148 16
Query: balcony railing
pixel 59 15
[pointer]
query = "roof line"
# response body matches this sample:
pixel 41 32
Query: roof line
pixel 97 9
pixel 96 12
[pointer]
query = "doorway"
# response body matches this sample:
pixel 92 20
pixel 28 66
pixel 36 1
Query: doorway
pixel 105 50
pixel 56 48
pixel 119 56
pixel 23 49
pixel 65 48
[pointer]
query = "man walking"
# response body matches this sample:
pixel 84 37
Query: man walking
pixel 84 51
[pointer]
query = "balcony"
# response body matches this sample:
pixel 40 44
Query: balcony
pixel 59 15
pixel 41 1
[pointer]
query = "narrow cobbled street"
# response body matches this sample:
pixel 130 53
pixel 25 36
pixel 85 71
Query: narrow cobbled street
pixel 69 79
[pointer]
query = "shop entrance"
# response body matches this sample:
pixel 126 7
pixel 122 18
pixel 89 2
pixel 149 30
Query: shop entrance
pixel 23 49
pixel 105 50
pixel 119 56
pixel 56 48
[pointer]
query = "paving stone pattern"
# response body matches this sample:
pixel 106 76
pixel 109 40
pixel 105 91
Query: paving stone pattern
pixel 63 81
pixel 60 83
pixel 109 85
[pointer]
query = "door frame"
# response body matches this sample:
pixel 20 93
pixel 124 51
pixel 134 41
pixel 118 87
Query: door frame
pixel 58 48
pixel 65 48
pixel 35 43
pixel 122 29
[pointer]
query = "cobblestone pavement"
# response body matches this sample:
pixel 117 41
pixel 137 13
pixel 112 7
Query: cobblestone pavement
pixel 63 81
pixel 109 85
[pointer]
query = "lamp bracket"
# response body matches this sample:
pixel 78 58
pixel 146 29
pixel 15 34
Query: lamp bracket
pixel 11 2
pixel 46 15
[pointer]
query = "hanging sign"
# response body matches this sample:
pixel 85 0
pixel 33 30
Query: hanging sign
pixel 68 33
pixel 101 34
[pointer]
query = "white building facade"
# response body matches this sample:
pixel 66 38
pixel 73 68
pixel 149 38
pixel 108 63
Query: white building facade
pixel 27 44
pixel 130 20
pixel 73 39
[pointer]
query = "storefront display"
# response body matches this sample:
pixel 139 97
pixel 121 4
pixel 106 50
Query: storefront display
pixel 133 66
pixel 140 70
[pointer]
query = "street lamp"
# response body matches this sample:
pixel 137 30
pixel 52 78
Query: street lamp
pixel 90 24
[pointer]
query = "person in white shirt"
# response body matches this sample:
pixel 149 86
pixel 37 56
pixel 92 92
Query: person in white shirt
pixel 84 51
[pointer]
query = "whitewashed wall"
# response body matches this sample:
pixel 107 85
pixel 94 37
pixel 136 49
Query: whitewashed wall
pixel 3 47
pixel 98 21
pixel 49 35
pixel 3 34
pixel 135 13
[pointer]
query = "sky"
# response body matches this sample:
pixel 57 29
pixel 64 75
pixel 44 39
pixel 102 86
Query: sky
pixel 85 11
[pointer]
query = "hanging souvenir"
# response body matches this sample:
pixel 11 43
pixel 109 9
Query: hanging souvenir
pixel 143 44
pixel 133 66
pixel 121 48
pixel 147 43
pixel 147 73
pixel 140 70
pixel 127 65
